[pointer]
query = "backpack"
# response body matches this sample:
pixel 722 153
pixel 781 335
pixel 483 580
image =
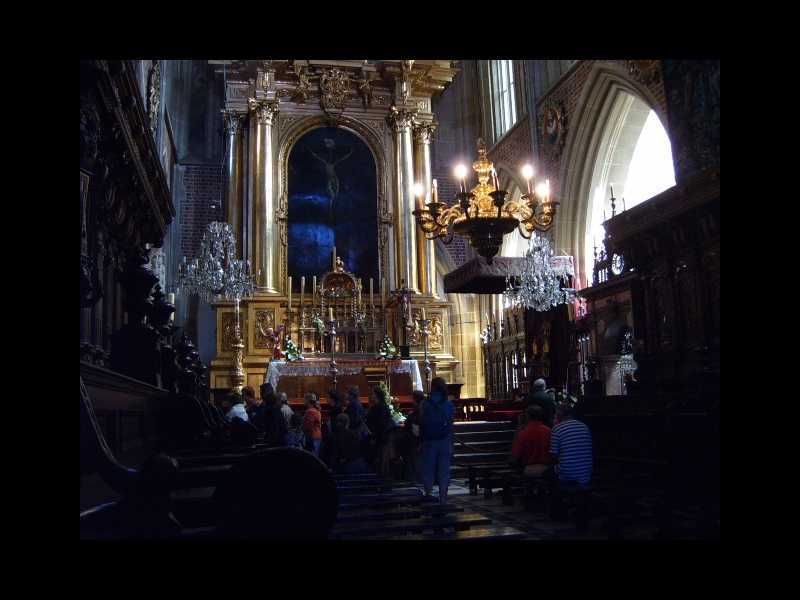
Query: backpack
pixel 435 424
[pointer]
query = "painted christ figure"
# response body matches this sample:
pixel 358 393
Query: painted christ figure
pixel 330 171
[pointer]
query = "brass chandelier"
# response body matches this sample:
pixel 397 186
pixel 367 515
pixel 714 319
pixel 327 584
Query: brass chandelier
pixel 483 214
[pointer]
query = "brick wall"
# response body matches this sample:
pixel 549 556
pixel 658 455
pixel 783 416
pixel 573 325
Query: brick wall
pixel 515 147
pixel 569 91
pixel 458 250
pixel 201 204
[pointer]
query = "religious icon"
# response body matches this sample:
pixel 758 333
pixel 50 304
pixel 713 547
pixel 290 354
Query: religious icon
pixel 329 165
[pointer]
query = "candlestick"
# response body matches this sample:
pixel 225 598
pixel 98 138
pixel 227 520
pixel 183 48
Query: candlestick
pixel 359 293
pixel 435 192
pixel 314 291
pixel 302 293
pixel 330 313
pixel 423 313
pixel 289 286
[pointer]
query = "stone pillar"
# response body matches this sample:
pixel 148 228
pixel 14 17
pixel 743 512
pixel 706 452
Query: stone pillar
pixel 426 257
pixel 233 166
pixel 262 178
pixel 405 232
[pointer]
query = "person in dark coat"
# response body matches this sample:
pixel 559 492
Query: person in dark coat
pixel 274 424
pixel 354 410
pixel 379 422
pixel 545 400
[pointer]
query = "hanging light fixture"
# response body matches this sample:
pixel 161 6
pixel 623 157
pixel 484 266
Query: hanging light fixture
pixel 482 214
pixel 545 279
pixel 218 273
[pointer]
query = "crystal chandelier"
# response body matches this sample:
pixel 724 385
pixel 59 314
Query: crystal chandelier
pixel 544 281
pixel 483 214
pixel 217 273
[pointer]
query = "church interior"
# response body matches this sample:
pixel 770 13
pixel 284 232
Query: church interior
pixel 400 299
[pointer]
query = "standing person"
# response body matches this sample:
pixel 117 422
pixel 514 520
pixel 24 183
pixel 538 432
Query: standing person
pixel 286 410
pixel 571 447
pixel 354 410
pixel 436 418
pixel 273 422
pixel 413 439
pixel 342 449
pixel 255 407
pixel 295 438
pixel 336 407
pixel 379 422
pixel 312 423
pixel 543 399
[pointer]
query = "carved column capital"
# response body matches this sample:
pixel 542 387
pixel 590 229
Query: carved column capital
pixel 265 110
pixel 232 121
pixel 401 119
pixel 423 132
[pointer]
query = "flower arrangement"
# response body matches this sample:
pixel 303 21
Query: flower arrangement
pixel 292 352
pixel 387 349
pixel 394 411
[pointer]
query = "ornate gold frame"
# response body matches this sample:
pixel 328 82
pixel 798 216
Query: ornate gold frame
pixel 377 144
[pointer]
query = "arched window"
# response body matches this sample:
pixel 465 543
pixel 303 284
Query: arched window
pixel 634 158
pixel 504 103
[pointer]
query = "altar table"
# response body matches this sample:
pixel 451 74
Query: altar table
pixel 313 375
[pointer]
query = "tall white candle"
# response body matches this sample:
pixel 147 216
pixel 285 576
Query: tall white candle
pixel 289 286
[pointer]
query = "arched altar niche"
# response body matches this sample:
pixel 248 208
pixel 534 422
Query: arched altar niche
pixel 332 202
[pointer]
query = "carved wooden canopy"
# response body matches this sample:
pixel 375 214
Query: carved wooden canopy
pixel 477 277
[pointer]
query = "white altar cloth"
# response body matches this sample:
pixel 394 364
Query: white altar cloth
pixel 300 368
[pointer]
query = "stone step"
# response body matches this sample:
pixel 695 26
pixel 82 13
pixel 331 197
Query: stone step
pixel 470 426
pixel 388 528
pixel 491 446
pixel 486 436
pixel 480 457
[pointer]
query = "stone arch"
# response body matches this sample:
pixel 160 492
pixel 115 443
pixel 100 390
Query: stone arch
pixel 600 104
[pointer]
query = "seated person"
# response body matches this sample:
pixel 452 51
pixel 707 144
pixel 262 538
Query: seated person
pixel 571 447
pixel 531 449
pixel 544 399
pixel 342 449
pixel 233 406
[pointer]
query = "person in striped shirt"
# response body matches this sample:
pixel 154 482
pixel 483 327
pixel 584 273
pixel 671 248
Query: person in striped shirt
pixel 571 447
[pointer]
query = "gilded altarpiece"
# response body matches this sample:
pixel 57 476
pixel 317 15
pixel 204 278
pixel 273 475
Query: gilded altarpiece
pixel 276 103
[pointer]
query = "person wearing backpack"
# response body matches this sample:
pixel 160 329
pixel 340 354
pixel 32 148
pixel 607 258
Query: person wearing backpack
pixel 436 429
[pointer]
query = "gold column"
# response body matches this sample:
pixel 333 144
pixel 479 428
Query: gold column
pixel 233 163
pixel 264 229
pixel 426 257
pixel 405 233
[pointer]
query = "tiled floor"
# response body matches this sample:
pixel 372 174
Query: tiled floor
pixel 539 526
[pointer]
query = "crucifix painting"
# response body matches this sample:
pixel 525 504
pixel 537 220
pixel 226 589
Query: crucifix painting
pixel 332 202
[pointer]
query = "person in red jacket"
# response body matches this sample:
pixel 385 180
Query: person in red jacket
pixel 312 423
pixel 531 449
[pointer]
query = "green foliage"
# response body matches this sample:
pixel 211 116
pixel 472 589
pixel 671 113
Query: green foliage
pixel 387 348
pixel 292 352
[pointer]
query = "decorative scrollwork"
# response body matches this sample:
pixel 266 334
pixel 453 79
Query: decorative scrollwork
pixel 264 329
pixel 645 71
pixel 154 94
pixel 333 87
